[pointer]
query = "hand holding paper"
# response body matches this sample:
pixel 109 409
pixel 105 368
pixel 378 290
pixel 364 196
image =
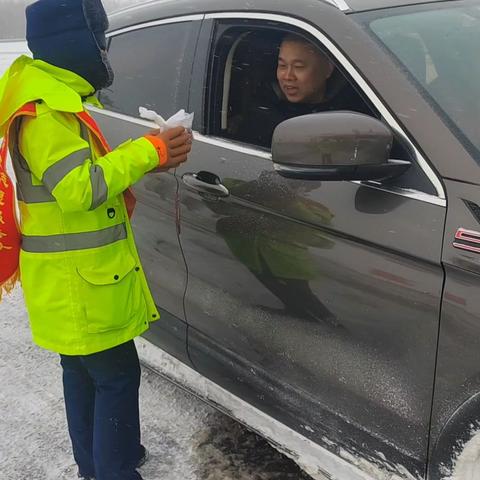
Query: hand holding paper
pixel 173 141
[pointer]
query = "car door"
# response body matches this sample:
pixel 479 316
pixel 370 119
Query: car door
pixel 152 64
pixel 317 302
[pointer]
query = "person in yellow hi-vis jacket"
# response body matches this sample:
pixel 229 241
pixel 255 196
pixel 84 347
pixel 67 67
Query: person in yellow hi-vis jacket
pixel 84 287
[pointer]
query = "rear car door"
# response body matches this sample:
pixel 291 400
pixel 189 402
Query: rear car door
pixel 152 64
pixel 317 302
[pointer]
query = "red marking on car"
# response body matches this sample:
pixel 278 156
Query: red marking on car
pixel 391 277
pixel 455 299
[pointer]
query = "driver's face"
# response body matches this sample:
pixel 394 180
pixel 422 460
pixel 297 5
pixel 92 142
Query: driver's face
pixel 302 72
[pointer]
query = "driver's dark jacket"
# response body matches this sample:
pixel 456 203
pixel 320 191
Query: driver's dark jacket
pixel 259 124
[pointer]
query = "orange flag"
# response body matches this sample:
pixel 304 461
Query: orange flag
pixel 10 239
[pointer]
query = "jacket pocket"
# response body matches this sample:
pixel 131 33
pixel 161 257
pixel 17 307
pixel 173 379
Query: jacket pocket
pixel 112 293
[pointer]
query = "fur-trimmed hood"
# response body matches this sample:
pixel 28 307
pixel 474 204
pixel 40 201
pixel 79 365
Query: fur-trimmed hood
pixel 70 34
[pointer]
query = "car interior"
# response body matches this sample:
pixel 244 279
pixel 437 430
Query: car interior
pixel 250 87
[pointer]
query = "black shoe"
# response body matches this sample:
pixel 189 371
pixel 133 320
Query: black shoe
pixel 143 459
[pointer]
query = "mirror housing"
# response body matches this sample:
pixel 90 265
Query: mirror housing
pixel 335 146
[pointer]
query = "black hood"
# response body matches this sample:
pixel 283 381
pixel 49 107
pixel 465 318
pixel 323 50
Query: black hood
pixel 70 34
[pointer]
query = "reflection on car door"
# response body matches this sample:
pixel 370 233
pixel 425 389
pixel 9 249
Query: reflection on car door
pixel 316 302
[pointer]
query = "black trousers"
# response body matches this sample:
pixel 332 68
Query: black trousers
pixel 101 400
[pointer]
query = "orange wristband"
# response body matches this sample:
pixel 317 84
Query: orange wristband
pixel 160 147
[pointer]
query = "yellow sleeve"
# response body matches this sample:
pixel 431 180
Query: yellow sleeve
pixel 62 160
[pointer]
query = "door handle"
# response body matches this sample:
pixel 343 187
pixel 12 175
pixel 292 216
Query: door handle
pixel 205 182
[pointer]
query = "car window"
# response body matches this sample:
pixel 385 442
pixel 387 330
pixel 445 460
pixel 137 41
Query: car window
pixel 151 68
pixel 254 88
pixel 438 48
pixel 246 99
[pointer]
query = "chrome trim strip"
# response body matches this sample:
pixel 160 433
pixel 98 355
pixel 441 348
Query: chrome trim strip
pixel 468 248
pixel 316 460
pixel 165 21
pixel 122 116
pixel 222 143
pixel 73 241
pixel 340 57
pixel 340 4
pixel 470 236
pixel 467 235
pixel 406 192
pixel 218 142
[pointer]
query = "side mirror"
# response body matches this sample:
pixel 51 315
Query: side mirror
pixel 335 146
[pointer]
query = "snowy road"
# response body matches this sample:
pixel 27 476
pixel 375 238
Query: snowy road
pixel 188 440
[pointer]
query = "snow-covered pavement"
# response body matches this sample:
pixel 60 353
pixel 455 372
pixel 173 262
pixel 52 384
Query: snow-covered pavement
pixel 188 440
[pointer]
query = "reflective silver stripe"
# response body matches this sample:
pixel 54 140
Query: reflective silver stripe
pixel 84 132
pixel 73 241
pixel 59 170
pixel 85 136
pixel 29 193
pixel 99 186
pixel 26 191
pixel 97 176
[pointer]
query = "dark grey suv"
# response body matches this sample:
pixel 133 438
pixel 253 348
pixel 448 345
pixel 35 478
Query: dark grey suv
pixel 321 289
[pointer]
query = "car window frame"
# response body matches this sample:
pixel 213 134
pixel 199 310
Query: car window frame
pixel 361 83
pixel 217 116
pixel 184 77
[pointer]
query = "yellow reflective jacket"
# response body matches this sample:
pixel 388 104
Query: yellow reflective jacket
pixel 83 283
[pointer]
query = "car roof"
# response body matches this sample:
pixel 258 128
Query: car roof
pixel 150 10
pixel 363 5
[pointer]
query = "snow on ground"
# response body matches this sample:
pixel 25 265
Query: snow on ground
pixel 467 462
pixel 188 440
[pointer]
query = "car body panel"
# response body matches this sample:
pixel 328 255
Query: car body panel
pixel 230 357
pixel 323 378
pixel 458 371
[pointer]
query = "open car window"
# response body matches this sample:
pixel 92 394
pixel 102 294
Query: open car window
pixel 249 101
pixel 246 101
